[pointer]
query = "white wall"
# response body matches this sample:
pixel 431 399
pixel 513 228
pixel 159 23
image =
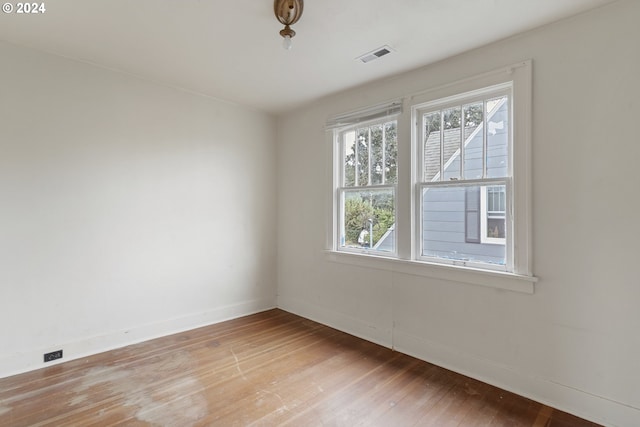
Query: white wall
pixel 127 210
pixel 575 343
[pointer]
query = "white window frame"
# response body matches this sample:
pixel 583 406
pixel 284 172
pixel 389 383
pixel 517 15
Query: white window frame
pixel 341 189
pixel 520 278
pixel 418 110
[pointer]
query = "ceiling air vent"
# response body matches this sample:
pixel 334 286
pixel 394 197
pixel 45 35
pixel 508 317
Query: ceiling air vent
pixel 375 54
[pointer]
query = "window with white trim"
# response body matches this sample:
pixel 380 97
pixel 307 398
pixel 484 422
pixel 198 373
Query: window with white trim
pixel 493 208
pixel 465 179
pixel 446 185
pixel 367 185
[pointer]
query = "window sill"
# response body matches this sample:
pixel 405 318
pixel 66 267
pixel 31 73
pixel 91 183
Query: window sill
pixel 493 279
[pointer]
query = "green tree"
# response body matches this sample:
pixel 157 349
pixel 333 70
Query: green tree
pixel 452 118
pixel 376 146
pixel 368 210
pixel 357 213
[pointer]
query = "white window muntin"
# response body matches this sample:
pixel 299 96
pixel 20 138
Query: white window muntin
pixel 508 242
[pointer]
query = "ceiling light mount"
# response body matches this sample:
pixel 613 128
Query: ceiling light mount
pixel 288 13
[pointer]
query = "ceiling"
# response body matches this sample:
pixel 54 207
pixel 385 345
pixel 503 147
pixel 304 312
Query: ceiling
pixel 231 49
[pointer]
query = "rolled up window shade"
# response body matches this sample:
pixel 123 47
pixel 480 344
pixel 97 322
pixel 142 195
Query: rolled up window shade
pixel 364 115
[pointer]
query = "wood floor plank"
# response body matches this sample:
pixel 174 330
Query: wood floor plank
pixel 269 369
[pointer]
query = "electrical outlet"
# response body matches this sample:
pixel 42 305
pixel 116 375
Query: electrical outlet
pixel 48 357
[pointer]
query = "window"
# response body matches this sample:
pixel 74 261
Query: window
pixel 465 176
pixel 445 189
pixel 493 209
pixel 367 180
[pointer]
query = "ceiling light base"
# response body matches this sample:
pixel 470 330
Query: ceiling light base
pixel 287 32
pixel 288 12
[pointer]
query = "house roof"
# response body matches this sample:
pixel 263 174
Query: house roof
pixel 451 148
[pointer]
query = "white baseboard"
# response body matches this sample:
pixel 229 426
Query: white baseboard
pixel 564 397
pixel 17 363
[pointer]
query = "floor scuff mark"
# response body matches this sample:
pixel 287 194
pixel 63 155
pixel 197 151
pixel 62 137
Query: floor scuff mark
pixel 238 364
pixel 178 402
pixel 284 405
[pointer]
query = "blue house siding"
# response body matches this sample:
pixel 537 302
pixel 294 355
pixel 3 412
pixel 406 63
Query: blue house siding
pixel 444 232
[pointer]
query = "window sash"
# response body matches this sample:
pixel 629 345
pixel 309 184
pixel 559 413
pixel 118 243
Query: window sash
pixel 342 147
pixel 461 101
pixel 508 241
pixel 439 107
pixel 383 182
pixel 340 195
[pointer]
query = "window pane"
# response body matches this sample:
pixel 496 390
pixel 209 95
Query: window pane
pixel 496 228
pixel 452 121
pixel 368 220
pixel 496 212
pixel 496 199
pixel 472 215
pixel 377 169
pixel 432 152
pixel 349 142
pixel 473 140
pixel 363 156
pixel 391 153
pixel 447 212
pixel 497 137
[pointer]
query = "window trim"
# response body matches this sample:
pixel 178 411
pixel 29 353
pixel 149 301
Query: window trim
pixel 462 99
pixel 405 261
pixel 516 78
pixel 449 273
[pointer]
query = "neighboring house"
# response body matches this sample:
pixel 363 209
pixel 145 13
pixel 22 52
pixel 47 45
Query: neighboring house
pixel 464 223
pixel 387 242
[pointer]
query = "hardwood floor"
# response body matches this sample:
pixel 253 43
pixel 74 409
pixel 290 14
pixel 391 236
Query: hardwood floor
pixel 269 369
